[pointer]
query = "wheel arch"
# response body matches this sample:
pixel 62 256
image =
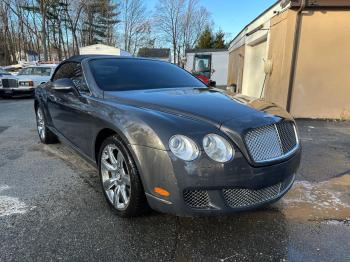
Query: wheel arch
pixel 106 132
pixel 102 135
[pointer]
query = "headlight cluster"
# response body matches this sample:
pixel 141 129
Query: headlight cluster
pixel 218 148
pixel 184 147
pixel 26 83
pixel 215 146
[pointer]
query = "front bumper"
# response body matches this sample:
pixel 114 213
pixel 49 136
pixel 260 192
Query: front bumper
pixel 204 187
pixel 17 91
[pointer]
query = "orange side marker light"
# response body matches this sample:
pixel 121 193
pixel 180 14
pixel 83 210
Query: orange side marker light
pixel 161 191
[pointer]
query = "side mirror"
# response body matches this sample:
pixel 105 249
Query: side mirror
pixel 64 85
pixel 212 83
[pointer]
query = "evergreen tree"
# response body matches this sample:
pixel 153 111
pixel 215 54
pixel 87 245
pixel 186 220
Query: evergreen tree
pixel 219 42
pixel 100 20
pixel 206 39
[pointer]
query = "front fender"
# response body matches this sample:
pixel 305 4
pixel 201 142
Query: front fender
pixel 151 128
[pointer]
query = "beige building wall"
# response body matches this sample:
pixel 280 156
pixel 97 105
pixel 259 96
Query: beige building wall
pixel 321 83
pixel 254 75
pixel 282 32
pixel 235 69
pixel 322 80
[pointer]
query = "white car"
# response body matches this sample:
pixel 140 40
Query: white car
pixel 26 80
pixel 6 79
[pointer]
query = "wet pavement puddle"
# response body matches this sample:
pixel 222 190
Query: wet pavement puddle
pixel 327 201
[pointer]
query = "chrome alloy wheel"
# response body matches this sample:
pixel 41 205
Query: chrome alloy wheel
pixel 115 177
pixel 40 123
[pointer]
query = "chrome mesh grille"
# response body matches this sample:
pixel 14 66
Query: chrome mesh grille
pixel 287 135
pixel 236 198
pixel 197 199
pixel 271 142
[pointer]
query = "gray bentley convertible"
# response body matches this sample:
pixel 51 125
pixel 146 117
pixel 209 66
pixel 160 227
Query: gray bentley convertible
pixel 160 138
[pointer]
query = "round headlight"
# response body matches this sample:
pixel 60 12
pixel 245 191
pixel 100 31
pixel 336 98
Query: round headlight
pixel 183 147
pixel 218 148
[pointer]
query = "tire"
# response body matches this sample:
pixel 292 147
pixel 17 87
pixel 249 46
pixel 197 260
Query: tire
pixel 45 135
pixel 120 180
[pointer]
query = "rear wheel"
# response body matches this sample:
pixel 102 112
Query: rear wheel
pixel 120 180
pixel 45 135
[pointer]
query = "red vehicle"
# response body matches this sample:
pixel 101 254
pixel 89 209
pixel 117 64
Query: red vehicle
pixel 202 69
pixel 203 78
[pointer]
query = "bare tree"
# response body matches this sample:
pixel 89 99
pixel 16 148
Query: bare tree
pixel 135 24
pixel 196 19
pixel 43 27
pixel 168 21
pixel 180 23
pixel 73 16
pixel 55 29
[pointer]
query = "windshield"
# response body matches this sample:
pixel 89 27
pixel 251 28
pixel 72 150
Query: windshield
pixel 124 74
pixel 40 71
pixel 3 72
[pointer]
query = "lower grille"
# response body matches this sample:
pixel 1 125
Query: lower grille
pixel 236 198
pixel 6 83
pixel 198 199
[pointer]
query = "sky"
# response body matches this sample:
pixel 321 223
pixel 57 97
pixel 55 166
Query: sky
pixel 231 15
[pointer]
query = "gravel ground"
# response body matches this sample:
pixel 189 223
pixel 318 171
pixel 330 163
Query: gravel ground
pixel 52 207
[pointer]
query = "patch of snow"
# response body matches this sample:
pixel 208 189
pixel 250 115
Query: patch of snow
pixel 10 205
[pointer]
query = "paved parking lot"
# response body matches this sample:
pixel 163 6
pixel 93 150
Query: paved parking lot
pixel 52 207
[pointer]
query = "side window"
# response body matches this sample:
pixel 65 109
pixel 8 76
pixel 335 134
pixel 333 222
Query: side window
pixel 78 79
pixel 73 71
pixel 64 71
pixel 26 71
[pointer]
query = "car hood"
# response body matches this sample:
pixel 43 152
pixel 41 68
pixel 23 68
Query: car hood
pixel 207 104
pixel 8 77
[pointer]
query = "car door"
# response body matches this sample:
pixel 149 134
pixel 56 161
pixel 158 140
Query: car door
pixel 71 111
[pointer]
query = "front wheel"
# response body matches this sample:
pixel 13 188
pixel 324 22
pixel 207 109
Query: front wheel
pixel 120 180
pixel 45 135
